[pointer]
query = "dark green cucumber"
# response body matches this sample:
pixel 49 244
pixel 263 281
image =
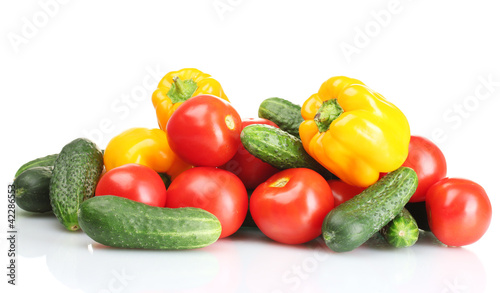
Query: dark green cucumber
pixel 47 161
pixel 282 112
pixel 32 189
pixel 402 231
pixel 353 222
pixel 278 148
pixel 249 221
pixel 74 179
pixel 419 213
pixel 120 222
pixel 166 179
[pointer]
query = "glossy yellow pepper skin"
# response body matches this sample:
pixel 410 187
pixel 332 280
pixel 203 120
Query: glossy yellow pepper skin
pixel 178 86
pixel 148 147
pixel 354 131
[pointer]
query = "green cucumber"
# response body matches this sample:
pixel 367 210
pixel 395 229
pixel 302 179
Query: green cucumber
pixel 402 231
pixel 353 222
pixel 249 221
pixel 166 179
pixel 32 189
pixel 282 112
pixel 46 161
pixel 120 222
pixel 278 148
pixel 419 213
pixel 74 179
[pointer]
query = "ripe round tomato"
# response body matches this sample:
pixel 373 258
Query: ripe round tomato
pixel 204 131
pixel 251 170
pixel 458 211
pixel 135 182
pixel 291 205
pixel 428 162
pixel 343 191
pixel 217 191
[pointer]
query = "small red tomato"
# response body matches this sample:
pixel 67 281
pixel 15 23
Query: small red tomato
pixel 428 162
pixel 217 191
pixel 251 170
pixel 342 191
pixel 204 131
pixel 458 211
pixel 135 182
pixel 291 205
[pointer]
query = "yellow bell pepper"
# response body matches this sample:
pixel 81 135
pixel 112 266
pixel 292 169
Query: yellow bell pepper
pixel 178 86
pixel 148 147
pixel 353 131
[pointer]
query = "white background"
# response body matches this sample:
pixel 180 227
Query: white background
pixel 88 68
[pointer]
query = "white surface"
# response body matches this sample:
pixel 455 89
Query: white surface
pixel 89 68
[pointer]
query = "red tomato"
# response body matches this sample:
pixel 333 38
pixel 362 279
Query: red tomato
pixel 343 191
pixel 290 206
pixel 458 211
pixel 135 182
pixel 204 131
pixel 251 170
pixel 428 162
pixel 217 191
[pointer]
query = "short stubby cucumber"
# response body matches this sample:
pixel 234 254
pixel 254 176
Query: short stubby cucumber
pixel 74 179
pixel 32 189
pixel 282 112
pixel 47 161
pixel 402 231
pixel 278 148
pixel 120 222
pixel 353 222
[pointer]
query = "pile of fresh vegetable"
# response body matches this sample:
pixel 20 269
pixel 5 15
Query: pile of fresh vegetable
pixel 343 166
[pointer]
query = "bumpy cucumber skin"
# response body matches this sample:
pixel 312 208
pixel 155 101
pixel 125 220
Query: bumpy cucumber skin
pixel 278 148
pixel 47 161
pixel 120 222
pixel 402 231
pixel 282 112
pixel 74 179
pixel 32 189
pixel 352 223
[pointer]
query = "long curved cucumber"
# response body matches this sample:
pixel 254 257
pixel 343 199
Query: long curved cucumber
pixel 353 222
